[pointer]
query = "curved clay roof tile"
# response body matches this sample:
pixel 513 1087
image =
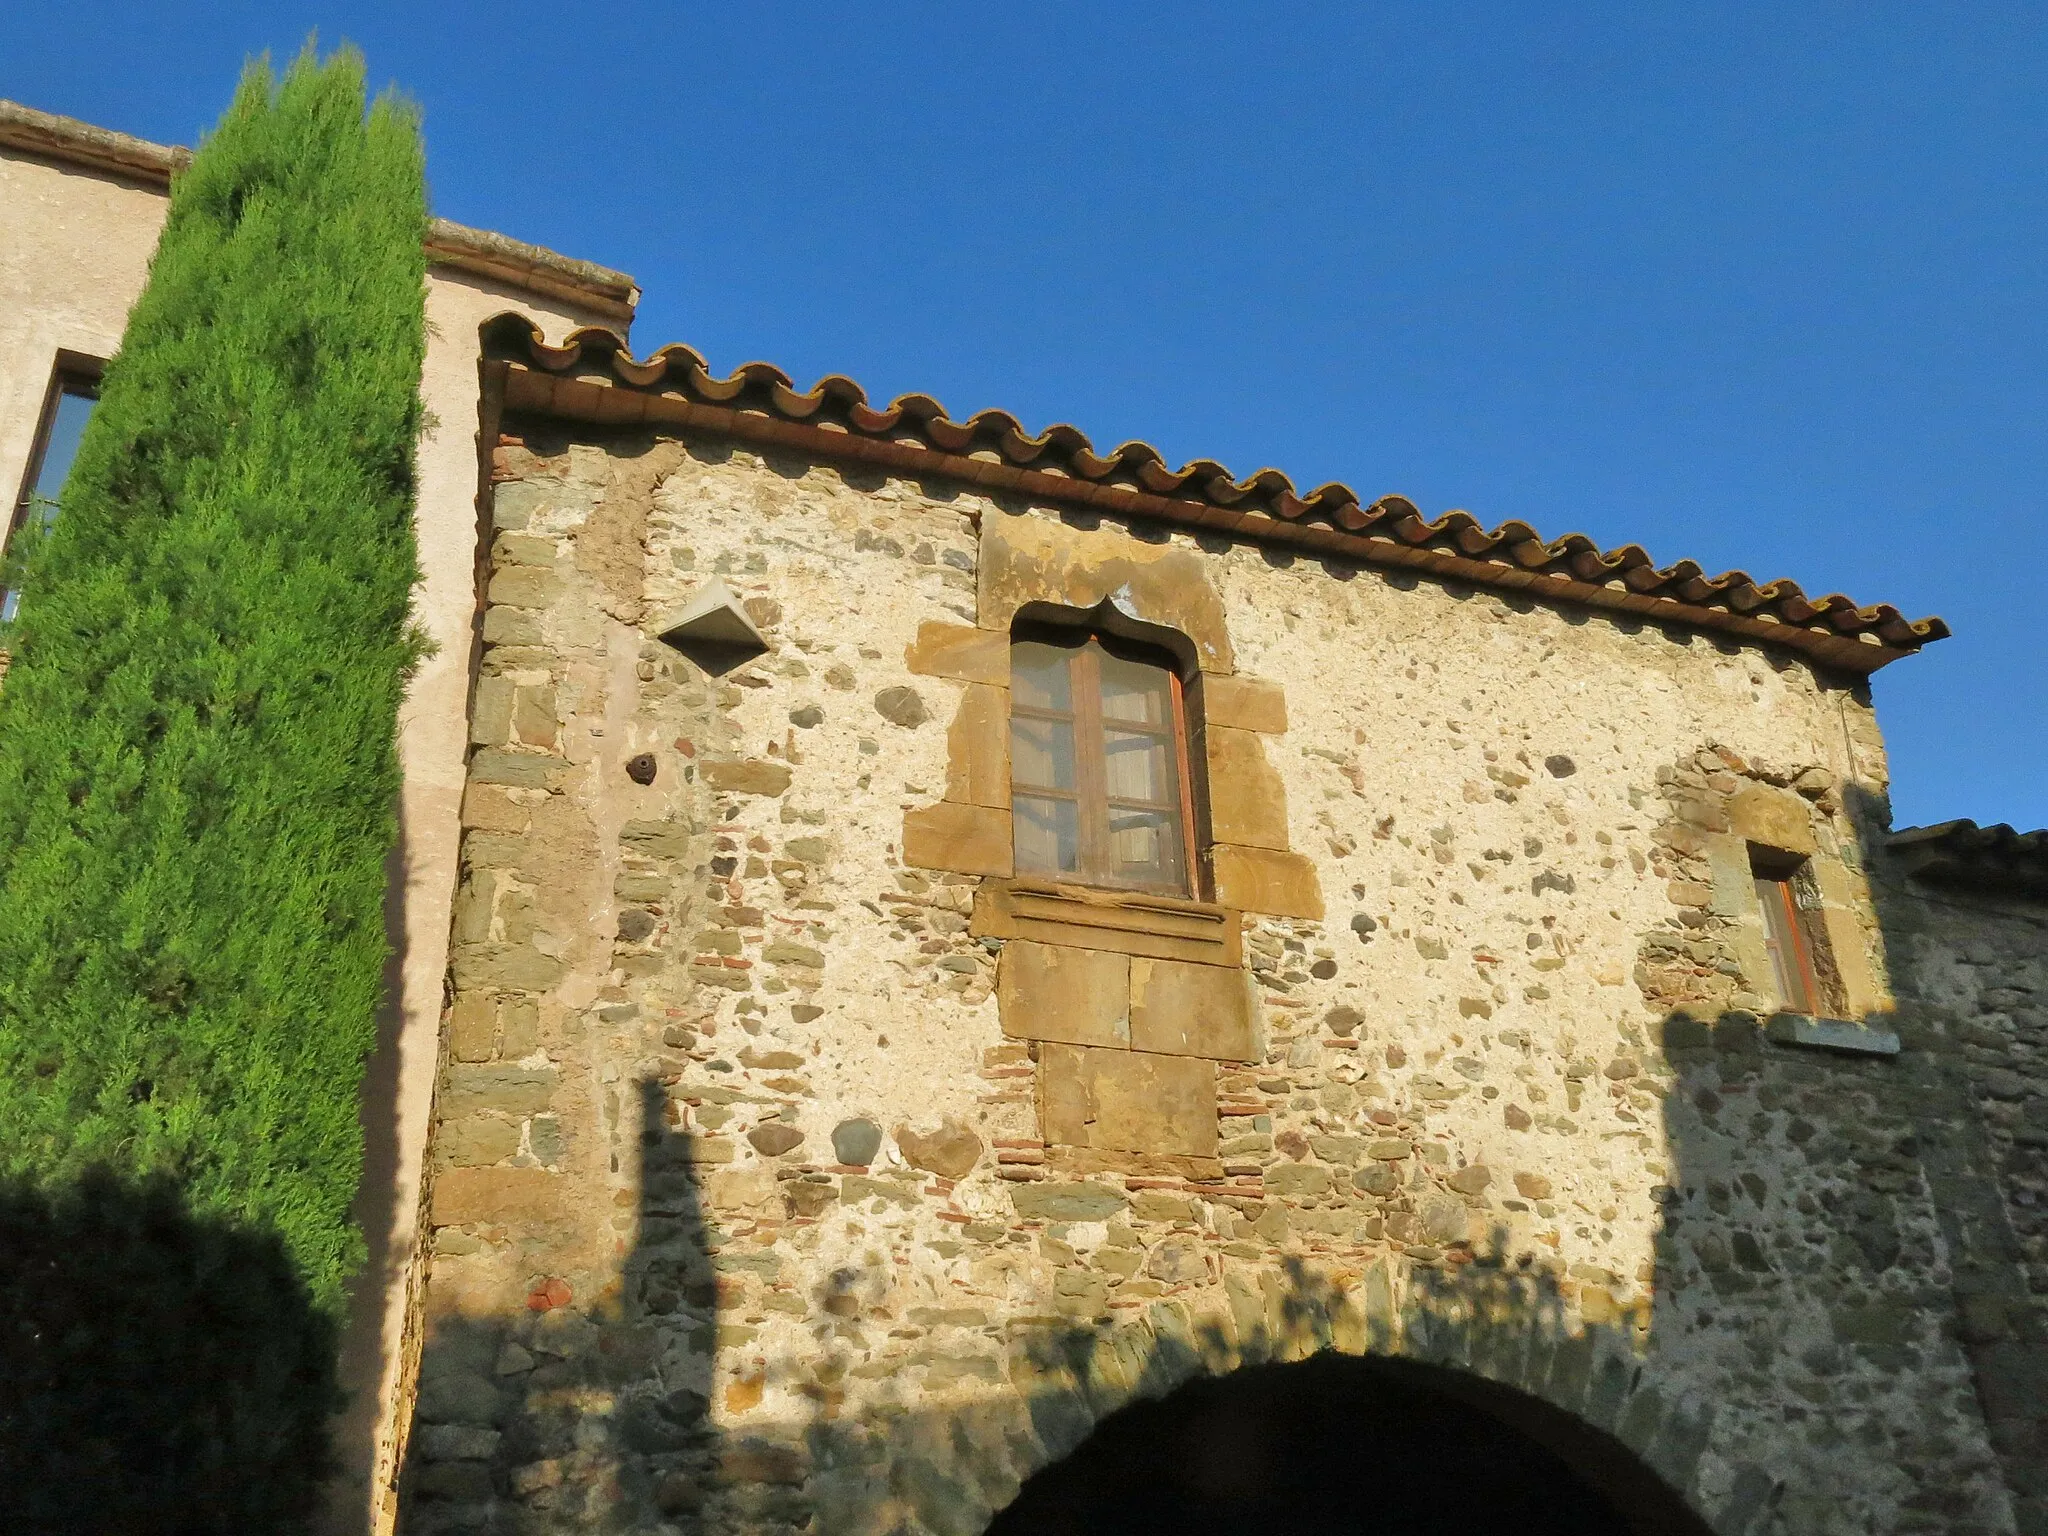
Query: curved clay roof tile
pixel 1573 567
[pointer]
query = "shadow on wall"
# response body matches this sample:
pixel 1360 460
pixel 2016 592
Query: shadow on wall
pixel 158 1373
pixel 1824 1219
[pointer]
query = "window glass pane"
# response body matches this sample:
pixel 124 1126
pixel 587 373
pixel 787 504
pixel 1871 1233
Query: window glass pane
pixel 1040 676
pixel 1042 753
pixel 67 426
pixel 66 429
pixel 1133 690
pixel 1786 976
pixel 1143 847
pixel 1140 767
pixel 1048 835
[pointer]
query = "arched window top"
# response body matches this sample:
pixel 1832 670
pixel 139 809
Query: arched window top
pixel 1099 761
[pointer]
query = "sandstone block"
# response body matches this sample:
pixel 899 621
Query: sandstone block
pixel 1242 703
pixel 1067 1202
pixel 1771 818
pixel 533 716
pixel 477 1141
pixel 965 839
pixel 512 626
pixel 518 1027
pixel 775 1139
pixel 508 1089
pixel 1074 996
pixel 1266 880
pixel 753 776
pixel 978 748
pixel 1247 800
pixel 512 967
pixel 658 839
pixel 1298 1179
pixel 1177 1261
pixel 1041 560
pixel 509 1195
pixel 490 713
pixel 520 770
pixel 486 808
pixel 1841 901
pixel 951 1151
pixel 964 654
pixel 524 586
pixel 1183 1009
pixel 472 1027
pixel 1128 1101
pixel 1471 1180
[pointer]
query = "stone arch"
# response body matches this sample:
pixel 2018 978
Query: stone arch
pixel 1501 1343
pixel 1393 1444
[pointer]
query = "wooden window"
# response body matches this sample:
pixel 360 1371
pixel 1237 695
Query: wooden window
pixel 74 389
pixel 1786 935
pixel 1099 763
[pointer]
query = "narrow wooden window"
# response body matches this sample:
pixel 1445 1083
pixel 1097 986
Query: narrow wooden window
pixel 1785 938
pixel 1098 763
pixel 74 390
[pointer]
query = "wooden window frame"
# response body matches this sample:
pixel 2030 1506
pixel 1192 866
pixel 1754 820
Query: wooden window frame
pixel 1090 794
pixel 1790 939
pixel 73 373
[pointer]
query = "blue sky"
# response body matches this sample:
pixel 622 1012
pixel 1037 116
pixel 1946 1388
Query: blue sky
pixel 1765 286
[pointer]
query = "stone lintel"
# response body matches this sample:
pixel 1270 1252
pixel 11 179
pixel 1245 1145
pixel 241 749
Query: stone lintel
pixel 1772 818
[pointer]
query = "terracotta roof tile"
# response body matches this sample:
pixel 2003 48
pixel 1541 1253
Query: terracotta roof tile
pixel 592 376
pixel 1963 853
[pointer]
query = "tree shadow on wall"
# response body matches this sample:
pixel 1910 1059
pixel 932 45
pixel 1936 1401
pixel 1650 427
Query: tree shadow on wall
pixel 1810 1206
pixel 159 1372
pixel 601 1415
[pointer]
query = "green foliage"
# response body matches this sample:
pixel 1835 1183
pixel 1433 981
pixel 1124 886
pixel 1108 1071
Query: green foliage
pixel 198 773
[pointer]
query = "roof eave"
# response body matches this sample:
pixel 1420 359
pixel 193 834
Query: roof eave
pixel 596 395
pixel 596 291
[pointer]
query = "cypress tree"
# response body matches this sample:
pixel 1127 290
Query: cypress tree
pixel 198 772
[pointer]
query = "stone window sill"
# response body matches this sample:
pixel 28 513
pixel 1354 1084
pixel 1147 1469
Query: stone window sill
pixel 1807 1032
pixel 1122 922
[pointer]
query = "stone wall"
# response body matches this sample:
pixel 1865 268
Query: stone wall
pixel 761 1195
pixel 1973 995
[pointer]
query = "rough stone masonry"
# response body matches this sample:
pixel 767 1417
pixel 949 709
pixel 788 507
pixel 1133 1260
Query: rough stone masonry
pixel 798 1166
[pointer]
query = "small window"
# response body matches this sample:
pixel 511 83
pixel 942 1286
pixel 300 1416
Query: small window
pixel 73 393
pixel 1787 934
pixel 1099 763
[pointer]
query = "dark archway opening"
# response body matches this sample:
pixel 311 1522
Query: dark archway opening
pixel 1336 1446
